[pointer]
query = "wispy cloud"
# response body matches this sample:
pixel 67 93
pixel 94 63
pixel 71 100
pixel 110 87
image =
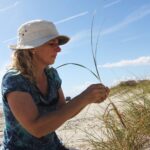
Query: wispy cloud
pixel 9 7
pixel 130 39
pixel 112 3
pixel 145 60
pixel 72 17
pixel 131 18
pixel 9 40
pixel 84 34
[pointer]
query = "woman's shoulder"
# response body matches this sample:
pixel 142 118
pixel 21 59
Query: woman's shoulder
pixel 13 80
pixel 12 75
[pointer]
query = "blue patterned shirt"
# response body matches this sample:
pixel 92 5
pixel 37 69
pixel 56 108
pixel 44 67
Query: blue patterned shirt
pixel 15 136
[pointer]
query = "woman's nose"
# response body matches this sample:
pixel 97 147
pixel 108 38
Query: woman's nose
pixel 58 49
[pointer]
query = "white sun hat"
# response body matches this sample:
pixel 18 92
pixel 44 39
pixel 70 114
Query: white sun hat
pixel 36 33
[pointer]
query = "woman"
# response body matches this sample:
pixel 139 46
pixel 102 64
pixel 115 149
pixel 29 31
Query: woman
pixel 33 101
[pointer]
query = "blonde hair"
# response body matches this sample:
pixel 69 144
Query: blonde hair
pixel 22 60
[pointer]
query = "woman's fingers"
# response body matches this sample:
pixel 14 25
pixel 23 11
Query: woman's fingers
pixel 100 92
pixel 95 93
pixel 103 93
pixel 104 96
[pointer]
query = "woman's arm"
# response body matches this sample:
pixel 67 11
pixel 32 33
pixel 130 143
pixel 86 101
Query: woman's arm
pixel 61 101
pixel 26 112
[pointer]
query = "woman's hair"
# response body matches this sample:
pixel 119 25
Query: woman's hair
pixel 22 60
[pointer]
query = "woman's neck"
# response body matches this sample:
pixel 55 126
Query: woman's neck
pixel 41 81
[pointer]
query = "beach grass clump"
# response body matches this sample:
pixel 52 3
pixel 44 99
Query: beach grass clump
pixel 130 85
pixel 132 130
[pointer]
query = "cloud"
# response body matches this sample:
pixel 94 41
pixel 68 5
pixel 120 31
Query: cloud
pixel 131 18
pixel 72 17
pixel 84 34
pixel 112 3
pixel 130 39
pixel 9 7
pixel 145 60
pixel 8 40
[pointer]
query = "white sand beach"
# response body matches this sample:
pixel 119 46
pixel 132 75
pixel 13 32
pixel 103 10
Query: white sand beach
pixel 74 132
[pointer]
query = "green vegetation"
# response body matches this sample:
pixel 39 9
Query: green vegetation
pixel 132 130
pixel 130 85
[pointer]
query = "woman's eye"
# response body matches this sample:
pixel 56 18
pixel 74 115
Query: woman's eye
pixel 51 44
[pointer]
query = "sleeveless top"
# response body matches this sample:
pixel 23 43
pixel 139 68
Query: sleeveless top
pixel 15 136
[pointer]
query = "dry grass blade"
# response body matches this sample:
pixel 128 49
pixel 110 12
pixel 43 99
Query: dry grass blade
pixel 118 114
pixel 94 51
pixel 98 75
pixel 79 65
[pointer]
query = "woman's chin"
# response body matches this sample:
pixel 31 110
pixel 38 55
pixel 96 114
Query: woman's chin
pixel 52 62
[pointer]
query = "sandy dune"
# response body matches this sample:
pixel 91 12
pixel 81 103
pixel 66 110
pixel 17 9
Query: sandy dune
pixel 74 133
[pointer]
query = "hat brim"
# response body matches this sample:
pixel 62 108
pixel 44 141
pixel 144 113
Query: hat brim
pixel 62 39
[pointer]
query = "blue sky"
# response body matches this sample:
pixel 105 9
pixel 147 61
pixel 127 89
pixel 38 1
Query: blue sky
pixel 124 42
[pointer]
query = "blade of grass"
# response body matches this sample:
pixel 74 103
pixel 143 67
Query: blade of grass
pixel 92 49
pixel 79 65
pixel 98 75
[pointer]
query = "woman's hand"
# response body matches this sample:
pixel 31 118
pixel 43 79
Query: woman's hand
pixel 95 93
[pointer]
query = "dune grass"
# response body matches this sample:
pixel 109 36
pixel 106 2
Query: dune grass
pixel 135 113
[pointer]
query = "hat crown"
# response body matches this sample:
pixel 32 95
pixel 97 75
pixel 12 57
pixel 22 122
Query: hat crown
pixel 37 26
pixel 33 30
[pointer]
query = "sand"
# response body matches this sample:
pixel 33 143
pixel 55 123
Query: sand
pixel 74 132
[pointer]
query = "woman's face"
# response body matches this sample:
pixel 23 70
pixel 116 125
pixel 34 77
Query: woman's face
pixel 46 54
